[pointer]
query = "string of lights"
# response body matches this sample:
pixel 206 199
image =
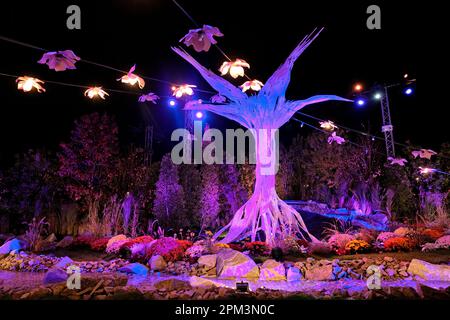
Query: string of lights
pixel 28 45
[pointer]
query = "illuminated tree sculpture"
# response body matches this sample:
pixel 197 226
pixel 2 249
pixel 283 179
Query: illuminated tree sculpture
pixel 268 110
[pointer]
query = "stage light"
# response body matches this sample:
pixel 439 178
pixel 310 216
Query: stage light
pixel 172 103
pixel 408 91
pixel 405 76
pixel 358 87
pixel 360 102
pixel 377 96
pixel 199 115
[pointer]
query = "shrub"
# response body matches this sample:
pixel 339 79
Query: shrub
pixel 257 248
pixel 83 240
pixel 291 245
pixel 115 243
pixel 357 246
pixel 99 244
pixel 138 240
pixel 338 242
pixel 236 246
pixel 383 236
pixel 169 248
pixel 432 234
pixel 399 244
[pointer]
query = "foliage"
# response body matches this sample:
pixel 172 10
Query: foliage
pixel 209 201
pixel 36 229
pixel 257 248
pixel 399 244
pixel 115 243
pixel 88 160
pixel 357 246
pixel 445 240
pixel 169 248
pixel 99 244
pixel 169 206
pixel 339 241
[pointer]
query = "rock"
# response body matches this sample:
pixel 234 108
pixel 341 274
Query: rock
pixel 55 275
pixel 66 242
pixel 429 271
pixel 272 270
pixel 134 268
pixel 51 238
pixel 157 263
pixel 44 245
pixel 63 263
pixel 320 273
pixel 234 264
pixel 11 245
pixel 294 274
pixel 195 281
pixel 172 284
pixel 208 260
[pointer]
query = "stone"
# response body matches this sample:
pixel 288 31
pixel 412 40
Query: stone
pixel 51 238
pixel 195 281
pixel 429 271
pixel 134 268
pixel 55 275
pixel 11 245
pixel 272 270
pixel 294 274
pixel 63 263
pixel 208 260
pixel 172 284
pixel 234 264
pixel 65 242
pixel 157 263
pixel 320 273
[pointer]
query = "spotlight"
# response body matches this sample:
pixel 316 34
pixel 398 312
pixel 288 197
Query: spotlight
pixel 360 102
pixel 172 103
pixel 377 96
pixel 358 87
pixel 408 91
pixel 199 115
pixel 242 286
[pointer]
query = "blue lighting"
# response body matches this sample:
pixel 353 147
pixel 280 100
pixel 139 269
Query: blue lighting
pixel 408 91
pixel 172 103
pixel 360 102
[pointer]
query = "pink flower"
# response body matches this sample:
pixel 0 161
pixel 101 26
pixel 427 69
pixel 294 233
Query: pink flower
pixel 149 97
pixel 255 85
pixel 335 138
pixel 132 79
pixel 201 39
pixel 60 60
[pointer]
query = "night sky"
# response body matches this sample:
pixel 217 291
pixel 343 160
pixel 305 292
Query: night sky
pixel 121 33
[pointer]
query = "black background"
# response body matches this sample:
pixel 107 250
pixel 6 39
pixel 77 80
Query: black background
pixel 120 33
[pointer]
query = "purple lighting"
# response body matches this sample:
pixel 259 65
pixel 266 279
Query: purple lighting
pixel 172 103
pixel 360 102
pixel 408 91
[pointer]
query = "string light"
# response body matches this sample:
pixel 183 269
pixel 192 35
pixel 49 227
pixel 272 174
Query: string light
pixel 96 92
pixel 328 125
pixel 185 89
pixel 26 84
pixel 254 85
pixel 358 87
pixel 235 68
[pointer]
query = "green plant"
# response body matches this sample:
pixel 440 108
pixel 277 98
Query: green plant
pixel 34 232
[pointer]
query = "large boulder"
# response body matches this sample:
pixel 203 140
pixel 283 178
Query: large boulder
pixel 65 242
pixel 55 275
pixel 320 272
pixel 294 274
pixel 208 260
pixel 157 263
pixel 195 281
pixel 429 271
pixel 63 263
pixel 272 270
pixel 134 268
pixel 234 264
pixel 11 245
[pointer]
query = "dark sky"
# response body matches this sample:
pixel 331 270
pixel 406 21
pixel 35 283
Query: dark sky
pixel 123 32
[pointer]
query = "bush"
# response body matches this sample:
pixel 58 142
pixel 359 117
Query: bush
pixel 83 240
pixel 399 244
pixel 357 246
pixel 432 234
pixel 115 243
pixel 404 232
pixel 257 248
pixel 383 236
pixel 138 240
pixel 445 240
pixel 169 248
pixel 338 242
pixel 99 244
